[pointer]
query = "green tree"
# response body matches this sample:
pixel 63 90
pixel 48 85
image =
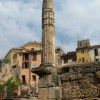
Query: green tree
pixel 11 84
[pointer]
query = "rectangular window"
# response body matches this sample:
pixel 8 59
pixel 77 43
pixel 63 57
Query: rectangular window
pixel 79 59
pixel 25 65
pixel 34 56
pixel 97 59
pixel 14 56
pixel 26 57
pixel 23 79
pixel 34 77
pixel 83 60
pixel 65 61
pixel 96 52
pixel 82 51
pixel 80 45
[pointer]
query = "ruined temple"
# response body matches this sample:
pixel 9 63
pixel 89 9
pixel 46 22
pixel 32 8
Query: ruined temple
pixel 68 82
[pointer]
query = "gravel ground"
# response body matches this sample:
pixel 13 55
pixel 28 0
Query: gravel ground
pixel 32 98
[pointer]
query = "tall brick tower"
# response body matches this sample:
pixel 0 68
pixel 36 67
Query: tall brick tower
pixel 48 32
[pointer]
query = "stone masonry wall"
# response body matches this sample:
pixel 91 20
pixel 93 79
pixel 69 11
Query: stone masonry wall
pixel 5 73
pixel 81 82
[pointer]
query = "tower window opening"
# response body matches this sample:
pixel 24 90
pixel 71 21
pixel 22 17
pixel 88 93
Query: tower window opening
pixel 83 60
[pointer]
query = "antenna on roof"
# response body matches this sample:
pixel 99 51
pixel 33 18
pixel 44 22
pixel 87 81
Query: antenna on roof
pixel 62 46
pixel 77 36
pixel 59 44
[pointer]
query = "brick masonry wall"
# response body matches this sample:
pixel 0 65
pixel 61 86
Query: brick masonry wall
pixel 81 82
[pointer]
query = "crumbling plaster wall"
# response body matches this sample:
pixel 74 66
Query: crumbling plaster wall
pixel 81 82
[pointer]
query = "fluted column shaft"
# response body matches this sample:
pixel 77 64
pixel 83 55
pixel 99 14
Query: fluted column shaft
pixel 48 32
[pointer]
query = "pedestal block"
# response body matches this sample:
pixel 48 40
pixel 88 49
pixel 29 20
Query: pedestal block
pixel 50 87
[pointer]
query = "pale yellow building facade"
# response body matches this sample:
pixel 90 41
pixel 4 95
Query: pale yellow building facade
pixel 83 55
pixel 82 51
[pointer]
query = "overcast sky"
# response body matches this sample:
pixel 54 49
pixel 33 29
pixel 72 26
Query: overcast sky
pixel 20 22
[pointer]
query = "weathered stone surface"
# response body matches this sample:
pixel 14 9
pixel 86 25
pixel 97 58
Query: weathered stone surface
pixel 52 85
pixel 98 74
pixel 49 83
pixel 81 84
pixel 44 69
pixel 71 76
pixel 6 72
pixel 43 94
pixel 81 68
pixel 48 32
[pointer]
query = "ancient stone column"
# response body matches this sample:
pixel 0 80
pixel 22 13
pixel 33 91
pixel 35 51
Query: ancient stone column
pixel 48 32
pixel 49 84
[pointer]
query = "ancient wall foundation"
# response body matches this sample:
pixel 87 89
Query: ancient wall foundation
pixel 81 82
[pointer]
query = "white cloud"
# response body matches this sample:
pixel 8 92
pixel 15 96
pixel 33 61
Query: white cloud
pixel 20 22
pixel 80 17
